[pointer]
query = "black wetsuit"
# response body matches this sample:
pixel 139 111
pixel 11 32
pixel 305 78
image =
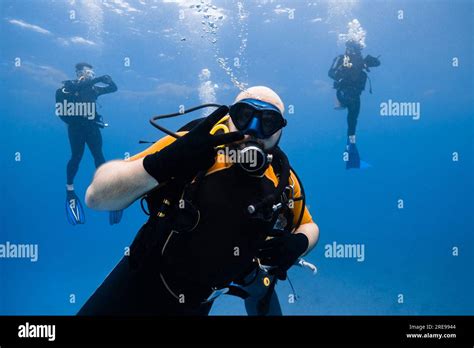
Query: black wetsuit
pixel 164 265
pixel 81 130
pixel 218 251
pixel 349 81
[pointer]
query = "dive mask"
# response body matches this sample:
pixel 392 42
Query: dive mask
pixel 263 122
pixel 85 74
pixel 257 118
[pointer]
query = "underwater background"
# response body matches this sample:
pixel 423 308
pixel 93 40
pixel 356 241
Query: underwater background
pixel 412 209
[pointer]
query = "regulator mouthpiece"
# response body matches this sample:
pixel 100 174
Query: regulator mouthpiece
pixel 253 158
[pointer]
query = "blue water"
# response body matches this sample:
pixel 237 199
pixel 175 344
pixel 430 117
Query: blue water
pixel 408 251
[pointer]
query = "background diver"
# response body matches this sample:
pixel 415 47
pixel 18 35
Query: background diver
pixel 76 105
pixel 349 72
pixel 215 226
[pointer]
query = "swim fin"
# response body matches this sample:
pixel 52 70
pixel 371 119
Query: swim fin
pixel 74 211
pixel 115 216
pixel 354 160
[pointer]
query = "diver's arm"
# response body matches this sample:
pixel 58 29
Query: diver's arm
pixel 311 231
pixel 284 250
pixel 336 63
pixel 117 184
pixel 78 85
pixel 110 88
pixel 371 61
pixel 302 216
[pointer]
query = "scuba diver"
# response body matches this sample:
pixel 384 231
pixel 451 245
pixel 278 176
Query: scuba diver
pixel 349 77
pixel 227 214
pixel 76 106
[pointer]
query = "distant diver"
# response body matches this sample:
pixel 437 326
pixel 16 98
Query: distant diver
pixel 349 72
pixel 76 106
pixel 217 224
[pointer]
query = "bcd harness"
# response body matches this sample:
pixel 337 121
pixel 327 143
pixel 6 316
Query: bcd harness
pixel 177 198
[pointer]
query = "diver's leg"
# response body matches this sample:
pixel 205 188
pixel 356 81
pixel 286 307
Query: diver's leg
pixel 137 291
pixel 353 110
pixel 353 113
pixel 340 100
pixel 77 143
pixel 94 142
pixel 128 291
pixel 262 299
pixel 340 97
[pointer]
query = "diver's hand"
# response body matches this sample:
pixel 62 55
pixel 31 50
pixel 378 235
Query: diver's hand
pixel 191 153
pixel 104 79
pixel 282 252
pixel 371 61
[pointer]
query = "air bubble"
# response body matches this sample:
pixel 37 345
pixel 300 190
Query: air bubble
pixel 209 32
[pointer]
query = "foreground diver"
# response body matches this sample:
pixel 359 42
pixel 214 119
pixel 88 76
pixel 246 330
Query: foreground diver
pixel 349 77
pixel 76 106
pixel 215 224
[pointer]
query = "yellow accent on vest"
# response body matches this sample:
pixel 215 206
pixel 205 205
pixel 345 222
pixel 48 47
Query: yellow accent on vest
pixel 219 164
pixel 221 126
pixel 222 164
